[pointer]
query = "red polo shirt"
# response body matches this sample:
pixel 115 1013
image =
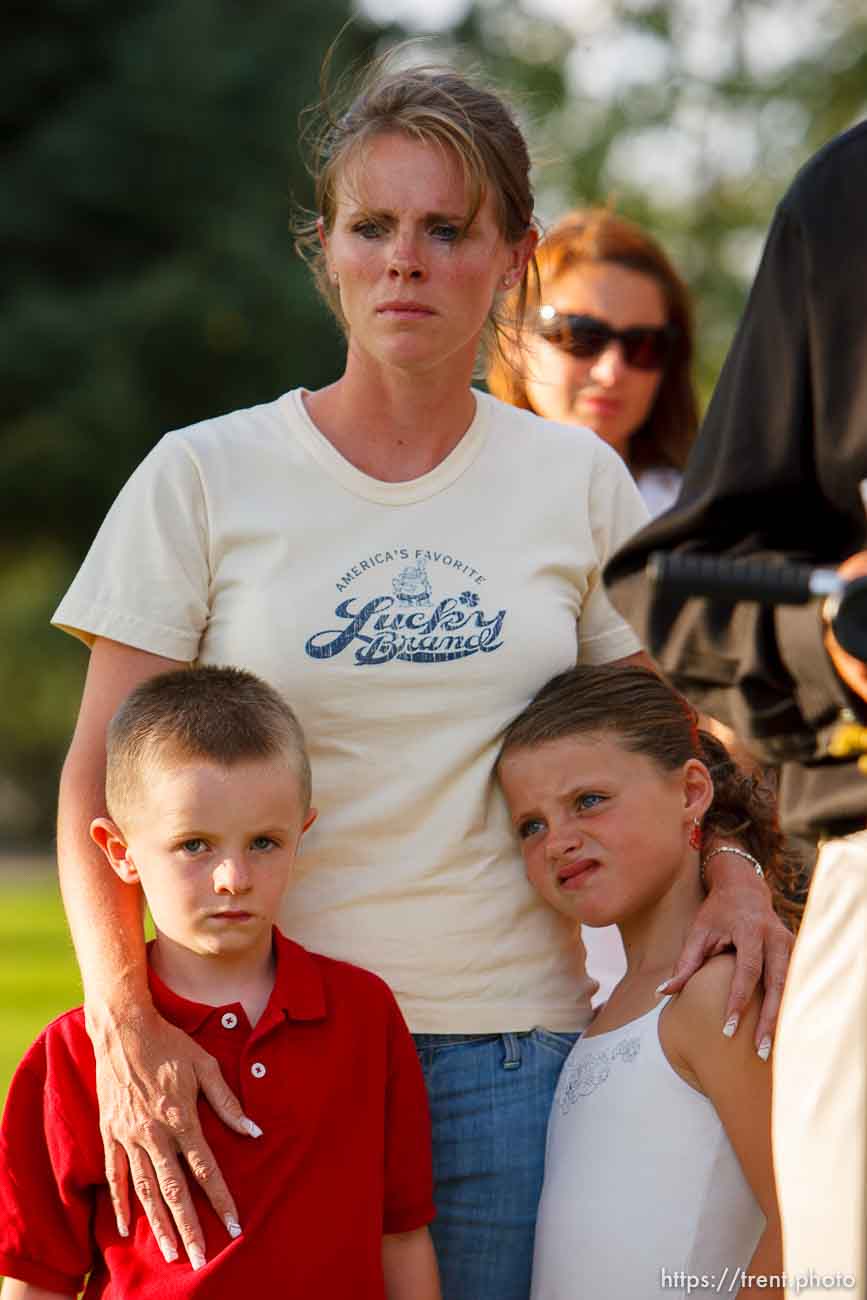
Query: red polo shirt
pixel 329 1073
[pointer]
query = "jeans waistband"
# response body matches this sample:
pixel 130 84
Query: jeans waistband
pixel 447 1040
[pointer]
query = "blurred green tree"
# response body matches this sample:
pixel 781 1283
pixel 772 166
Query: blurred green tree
pixel 151 282
pixel 150 155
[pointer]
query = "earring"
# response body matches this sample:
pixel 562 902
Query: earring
pixel 695 834
pixel 335 277
pixel 508 281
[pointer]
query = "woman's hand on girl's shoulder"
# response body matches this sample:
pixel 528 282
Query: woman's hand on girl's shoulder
pixel 695 1029
pixel 738 914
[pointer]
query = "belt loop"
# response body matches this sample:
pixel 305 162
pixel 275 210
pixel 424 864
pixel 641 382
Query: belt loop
pixel 511 1052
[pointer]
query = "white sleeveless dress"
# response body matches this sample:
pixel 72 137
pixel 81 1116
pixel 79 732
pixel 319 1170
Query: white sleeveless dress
pixel 643 1193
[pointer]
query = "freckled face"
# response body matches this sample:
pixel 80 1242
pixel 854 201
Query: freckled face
pixel 603 831
pixel 602 392
pixel 416 288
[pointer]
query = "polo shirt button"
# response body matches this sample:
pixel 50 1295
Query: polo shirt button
pixel 258 1070
pixel 229 1020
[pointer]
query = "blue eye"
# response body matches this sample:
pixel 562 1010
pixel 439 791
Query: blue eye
pixel 446 233
pixel 531 826
pixel 367 229
pixel 262 842
pixel 194 845
pixel 584 802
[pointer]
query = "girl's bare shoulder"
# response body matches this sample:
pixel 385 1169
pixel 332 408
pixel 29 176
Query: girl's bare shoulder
pixel 693 1025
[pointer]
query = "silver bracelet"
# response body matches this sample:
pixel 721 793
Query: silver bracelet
pixel 726 848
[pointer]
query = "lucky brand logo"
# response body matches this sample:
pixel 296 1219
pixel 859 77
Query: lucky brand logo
pixel 410 623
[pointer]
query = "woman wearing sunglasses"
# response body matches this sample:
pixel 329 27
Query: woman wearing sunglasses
pixel 610 347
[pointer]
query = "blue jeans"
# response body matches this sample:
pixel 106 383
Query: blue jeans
pixel 489 1097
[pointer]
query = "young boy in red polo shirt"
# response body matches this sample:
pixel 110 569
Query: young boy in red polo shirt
pixel 208 788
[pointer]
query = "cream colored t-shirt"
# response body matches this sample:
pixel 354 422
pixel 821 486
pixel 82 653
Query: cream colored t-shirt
pixel 406 623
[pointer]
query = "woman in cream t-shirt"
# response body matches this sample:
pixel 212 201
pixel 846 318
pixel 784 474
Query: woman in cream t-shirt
pixel 407 560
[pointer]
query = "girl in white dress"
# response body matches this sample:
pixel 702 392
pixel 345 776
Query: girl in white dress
pixel 658 1173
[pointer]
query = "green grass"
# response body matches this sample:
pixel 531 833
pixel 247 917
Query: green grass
pixel 38 974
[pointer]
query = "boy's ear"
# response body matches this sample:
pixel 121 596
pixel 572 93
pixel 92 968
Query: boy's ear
pixel 110 838
pixel 698 789
pixel 312 814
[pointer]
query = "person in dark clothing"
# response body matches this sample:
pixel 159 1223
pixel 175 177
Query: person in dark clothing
pixel 776 473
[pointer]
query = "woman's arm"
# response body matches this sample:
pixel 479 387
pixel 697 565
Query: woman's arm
pixel 737 913
pixel 149 1073
pixel 738 1084
pixel 409 1266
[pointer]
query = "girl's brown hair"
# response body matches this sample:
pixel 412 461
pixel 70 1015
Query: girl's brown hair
pixel 597 235
pixel 648 717
pixel 434 105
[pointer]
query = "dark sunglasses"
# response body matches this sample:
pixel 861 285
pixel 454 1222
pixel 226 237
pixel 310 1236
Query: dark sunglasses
pixel 646 347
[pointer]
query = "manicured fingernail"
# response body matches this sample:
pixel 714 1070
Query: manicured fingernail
pixel 251 1127
pixel 123 1227
pixel 764 1048
pixel 170 1253
pixel 662 988
pixel 197 1258
pixel 730 1027
pixel 233 1227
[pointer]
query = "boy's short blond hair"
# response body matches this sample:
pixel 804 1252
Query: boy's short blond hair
pixel 223 715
